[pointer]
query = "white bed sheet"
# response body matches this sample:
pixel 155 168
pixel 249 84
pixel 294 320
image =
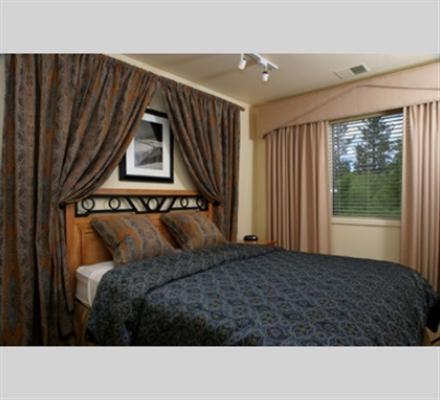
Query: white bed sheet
pixel 87 280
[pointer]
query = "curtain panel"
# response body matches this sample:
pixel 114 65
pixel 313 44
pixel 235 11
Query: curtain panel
pixel 420 220
pixel 68 122
pixel 207 130
pixel 298 202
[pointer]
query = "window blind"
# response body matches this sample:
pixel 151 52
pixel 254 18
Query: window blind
pixel 366 166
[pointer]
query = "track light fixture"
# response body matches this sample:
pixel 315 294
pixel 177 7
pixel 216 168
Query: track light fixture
pixel 259 60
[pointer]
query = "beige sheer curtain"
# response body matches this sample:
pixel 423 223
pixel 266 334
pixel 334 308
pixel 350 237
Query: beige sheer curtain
pixel 420 225
pixel 298 187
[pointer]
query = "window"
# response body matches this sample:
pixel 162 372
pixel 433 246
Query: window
pixel 366 166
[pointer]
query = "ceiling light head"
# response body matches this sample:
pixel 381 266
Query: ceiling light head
pixel 242 63
pixel 259 60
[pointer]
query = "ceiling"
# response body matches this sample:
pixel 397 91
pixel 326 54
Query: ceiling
pixel 298 73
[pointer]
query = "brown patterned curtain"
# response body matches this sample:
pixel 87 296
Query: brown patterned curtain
pixel 207 130
pixel 298 195
pixel 68 122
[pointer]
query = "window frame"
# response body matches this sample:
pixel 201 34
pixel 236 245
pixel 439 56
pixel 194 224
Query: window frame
pixel 366 220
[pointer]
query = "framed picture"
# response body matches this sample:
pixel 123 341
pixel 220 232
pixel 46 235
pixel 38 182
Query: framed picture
pixel 149 156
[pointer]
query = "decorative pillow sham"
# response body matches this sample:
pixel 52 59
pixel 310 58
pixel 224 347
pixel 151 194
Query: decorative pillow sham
pixel 192 230
pixel 131 238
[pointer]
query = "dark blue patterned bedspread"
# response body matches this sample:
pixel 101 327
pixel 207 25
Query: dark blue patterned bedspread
pixel 259 295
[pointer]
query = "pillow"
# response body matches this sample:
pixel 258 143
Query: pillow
pixel 131 238
pixel 192 230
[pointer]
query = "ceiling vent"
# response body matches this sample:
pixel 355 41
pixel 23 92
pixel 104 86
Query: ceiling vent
pixel 352 71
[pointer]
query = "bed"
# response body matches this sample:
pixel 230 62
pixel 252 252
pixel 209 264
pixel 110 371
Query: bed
pixel 239 294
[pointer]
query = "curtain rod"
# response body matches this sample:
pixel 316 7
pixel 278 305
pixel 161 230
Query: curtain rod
pixel 324 103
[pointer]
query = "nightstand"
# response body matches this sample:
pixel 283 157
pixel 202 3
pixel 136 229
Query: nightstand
pixel 260 242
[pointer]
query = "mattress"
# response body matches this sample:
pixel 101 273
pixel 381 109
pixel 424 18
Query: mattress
pixel 87 280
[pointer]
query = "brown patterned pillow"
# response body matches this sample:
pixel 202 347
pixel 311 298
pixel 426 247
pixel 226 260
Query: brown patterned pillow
pixel 192 230
pixel 131 237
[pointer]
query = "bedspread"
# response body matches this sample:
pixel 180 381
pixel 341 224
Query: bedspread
pixel 260 295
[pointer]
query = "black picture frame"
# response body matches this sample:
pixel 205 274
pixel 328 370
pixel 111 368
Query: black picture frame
pixel 124 175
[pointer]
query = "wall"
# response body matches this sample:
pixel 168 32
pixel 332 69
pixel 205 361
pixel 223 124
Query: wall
pixel 2 99
pixel 363 238
pixel 259 189
pixel 354 237
pixel 384 92
pixel 366 238
pixel 182 180
pixel 357 237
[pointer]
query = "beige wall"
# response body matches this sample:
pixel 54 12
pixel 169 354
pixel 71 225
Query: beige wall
pixel 383 92
pixel 359 237
pixel 366 238
pixel 259 189
pixel 355 237
pixel 2 99
pixel 182 180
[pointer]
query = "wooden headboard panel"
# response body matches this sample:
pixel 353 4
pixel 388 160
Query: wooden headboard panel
pixel 84 246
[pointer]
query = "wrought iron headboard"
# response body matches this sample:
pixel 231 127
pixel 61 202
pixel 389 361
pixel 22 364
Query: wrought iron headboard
pixel 139 203
pixel 85 247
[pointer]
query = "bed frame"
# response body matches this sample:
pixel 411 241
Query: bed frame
pixel 84 246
